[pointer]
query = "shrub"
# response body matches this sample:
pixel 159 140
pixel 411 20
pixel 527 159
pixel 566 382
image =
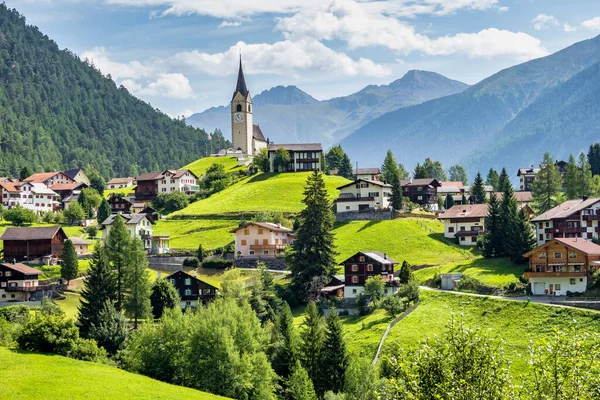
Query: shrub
pixel 49 334
pixel 217 263
pixel 435 281
pixel 410 291
pixel 363 303
pixel 87 350
pixel 394 304
pixel 191 262
pixel 92 230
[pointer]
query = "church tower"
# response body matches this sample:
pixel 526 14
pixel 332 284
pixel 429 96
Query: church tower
pixel 241 116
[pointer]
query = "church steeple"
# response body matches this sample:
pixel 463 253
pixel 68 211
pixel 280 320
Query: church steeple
pixel 241 82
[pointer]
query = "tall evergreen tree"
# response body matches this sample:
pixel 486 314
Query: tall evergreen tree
pixel 118 248
pixel 104 211
pixel 69 267
pixel 286 353
pixel 523 238
pixel 492 179
pixel 396 200
pixel 457 173
pixel 546 186
pixel 299 385
pixel 99 286
pixel 137 304
pixel 334 157
pixel 478 190
pixel 503 181
pixel 593 158
pixel 492 240
pixel 313 335
pixel 585 177
pixel 430 169
pixel 420 172
pixel 571 179
pixel 509 217
pixel 109 329
pixel 25 173
pixel 163 296
pixel 402 172
pixel 334 357
pixel 449 201
pixel 389 169
pixel 313 252
pixel 346 168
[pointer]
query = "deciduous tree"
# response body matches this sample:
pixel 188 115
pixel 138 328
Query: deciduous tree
pixel 374 288
pixel 458 174
pixel 104 211
pixel 163 296
pixel 281 160
pixel 334 157
pixel 137 284
pixel 74 213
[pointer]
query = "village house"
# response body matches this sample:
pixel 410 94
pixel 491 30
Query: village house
pixel 182 180
pixel 363 194
pixel 147 186
pixel 119 204
pixel 192 291
pixel 465 222
pixel 303 157
pixel 82 246
pixel 335 288
pixel 370 174
pixel 138 225
pixel 367 264
pixel 13 195
pixel 30 195
pixel 455 189
pixel 44 199
pixel 120 183
pixel 50 178
pixel 562 265
pixel 422 192
pixel 262 239
pixel 18 282
pixel 31 244
pixel 78 175
pixel 526 177
pixel 65 190
pixel 571 219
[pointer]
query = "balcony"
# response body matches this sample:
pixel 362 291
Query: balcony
pixel 268 246
pixel 145 236
pixel 591 217
pixel 28 288
pixel 354 198
pixel 531 274
pixel 561 229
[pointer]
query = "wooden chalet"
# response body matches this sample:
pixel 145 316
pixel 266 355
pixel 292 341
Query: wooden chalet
pixel 422 192
pixel 119 204
pixel 364 265
pixel 18 282
pixel 147 186
pixel 27 244
pixel 192 290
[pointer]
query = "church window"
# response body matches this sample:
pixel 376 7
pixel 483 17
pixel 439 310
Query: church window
pixel 249 108
pixel 239 107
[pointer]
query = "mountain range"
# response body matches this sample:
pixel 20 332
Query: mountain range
pixel 289 115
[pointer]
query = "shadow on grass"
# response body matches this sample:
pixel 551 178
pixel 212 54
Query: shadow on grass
pixel 497 266
pixel 263 177
pixel 356 320
pixel 368 225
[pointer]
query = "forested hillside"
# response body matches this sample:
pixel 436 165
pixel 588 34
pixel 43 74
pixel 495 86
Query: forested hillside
pixel 58 112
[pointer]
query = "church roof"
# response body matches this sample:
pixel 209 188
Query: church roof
pixel 241 82
pixel 257 133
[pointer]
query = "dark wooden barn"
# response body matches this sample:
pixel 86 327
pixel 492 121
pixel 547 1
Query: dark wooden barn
pixel 27 244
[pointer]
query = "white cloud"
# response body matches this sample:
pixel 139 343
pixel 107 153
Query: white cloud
pixel 543 21
pixel 229 24
pixel 174 86
pixel 592 24
pixel 280 58
pixel 569 28
pixel 503 9
pixel 100 57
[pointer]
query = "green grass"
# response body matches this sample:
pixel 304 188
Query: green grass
pixel 188 234
pixel 200 166
pixel 492 272
pixel 36 376
pixel 70 304
pixel 514 322
pixel 126 191
pixel 260 193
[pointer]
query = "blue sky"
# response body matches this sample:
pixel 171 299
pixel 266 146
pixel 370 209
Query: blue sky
pixel 181 55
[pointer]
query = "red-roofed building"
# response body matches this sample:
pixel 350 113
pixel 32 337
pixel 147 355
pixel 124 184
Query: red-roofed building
pixel 50 178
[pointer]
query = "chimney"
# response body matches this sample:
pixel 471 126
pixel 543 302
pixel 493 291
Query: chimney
pixel 14 261
pixel 585 198
pixel 384 256
pixel 411 180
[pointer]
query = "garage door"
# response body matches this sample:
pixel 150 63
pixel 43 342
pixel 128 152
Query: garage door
pixel 539 287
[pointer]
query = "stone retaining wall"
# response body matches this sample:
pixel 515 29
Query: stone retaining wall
pixel 363 216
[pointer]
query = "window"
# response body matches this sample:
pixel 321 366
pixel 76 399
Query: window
pixel 473 239
pixel 265 241
pixel 572 254
pixel 419 197
pixel 557 286
pixel 347 207
pixel 542 255
pixel 354 268
pixel 369 267
pixel 188 281
pixel 572 281
pixel 266 252
pixel 251 252
pixel 8 273
pixel 243 243
pixel 188 303
pixel 558 254
pixel 547 224
pixel 361 259
pixel 451 229
pixel 206 291
pixel 238 108
pixel 541 237
pixel 256 242
pixel 188 292
pixel 462 238
pixel 260 231
pixel 355 279
pixel 246 231
pixel 541 225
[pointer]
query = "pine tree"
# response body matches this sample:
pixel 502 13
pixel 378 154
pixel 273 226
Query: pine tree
pixel 420 172
pixel 299 385
pixel 313 336
pixel 396 199
pixel 109 329
pixel 523 238
pixel 492 240
pixel 137 304
pixel 478 190
pixel 117 248
pixel 449 202
pixel 389 169
pixel 334 356
pixel 200 253
pixel 406 273
pixel 25 173
pixel 463 199
pixel 104 211
pixel 286 354
pixel 99 286
pixel 571 179
pixel 503 181
pixel 492 179
pixel 593 158
pixel 163 296
pixel 313 252
pixel 346 168
pixel 585 177
pixel 69 267
pixel 509 218
pixel 546 186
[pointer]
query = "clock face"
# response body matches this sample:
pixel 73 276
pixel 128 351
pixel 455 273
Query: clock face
pixel 238 117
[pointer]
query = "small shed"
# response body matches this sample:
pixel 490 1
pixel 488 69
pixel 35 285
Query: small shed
pixel 450 281
pixel 82 246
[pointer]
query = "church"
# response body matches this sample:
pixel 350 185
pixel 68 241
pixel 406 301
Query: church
pixel 248 139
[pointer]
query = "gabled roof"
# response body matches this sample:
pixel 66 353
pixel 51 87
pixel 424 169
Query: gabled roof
pixel 178 173
pixel 452 184
pixel 266 225
pixel 72 173
pixel 241 82
pixel 420 182
pixel 35 233
pixel 40 188
pixel 67 186
pixel 41 177
pixel 566 209
pixel 149 176
pixel 257 133
pixel 297 147
pixel 129 219
pixel 366 171
pixel 579 244
pixel 178 272
pixel 375 255
pixel 528 171
pixel 9 187
pixel 372 182
pixel 465 211
pixel 119 181
pixel 520 197
pixel 22 268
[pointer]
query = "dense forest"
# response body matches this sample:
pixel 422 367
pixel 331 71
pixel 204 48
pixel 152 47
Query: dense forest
pixel 58 112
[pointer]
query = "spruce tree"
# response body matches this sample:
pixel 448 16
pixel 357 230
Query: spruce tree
pixel 313 335
pixel 137 304
pixel 585 177
pixel 463 199
pixel 163 296
pixel 313 252
pixel 286 353
pixel 99 286
pixel 503 181
pixel 389 169
pixel 25 173
pixel 117 248
pixel 593 158
pixel 109 329
pixel 571 179
pixel 334 356
pixel 492 240
pixel 492 179
pixel 346 168
pixel 523 238
pixel 69 267
pixel 299 385
pixel 509 218
pixel 396 199
pixel 449 202
pixel 546 186
pixel 406 273
pixel 104 211
pixel 478 190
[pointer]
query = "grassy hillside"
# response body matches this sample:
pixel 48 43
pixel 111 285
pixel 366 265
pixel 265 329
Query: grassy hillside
pixel 188 234
pixel 264 192
pixel 126 191
pixel 37 376
pixel 200 166
pixel 497 272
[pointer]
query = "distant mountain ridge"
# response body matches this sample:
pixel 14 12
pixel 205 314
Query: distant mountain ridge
pixel 288 114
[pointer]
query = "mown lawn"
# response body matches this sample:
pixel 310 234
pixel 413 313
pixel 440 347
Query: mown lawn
pixel 200 166
pixel 36 376
pixel 514 322
pixel 70 304
pixel 188 234
pixel 122 191
pixel 260 193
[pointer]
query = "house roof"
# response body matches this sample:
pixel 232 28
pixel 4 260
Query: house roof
pixel 178 173
pixel 420 182
pixel 297 147
pixel 149 176
pixel 465 211
pixel 566 209
pixel 36 233
pixel 375 255
pixel 528 171
pixel 40 188
pixel 119 181
pixel 191 276
pixel 520 197
pixel 580 244
pixel 452 184
pixel 366 171
pixel 22 268
pixel 450 189
pixel 129 219
pixel 78 240
pixel 257 133
pixel 10 187
pixel 66 186
pixel 377 183
pixel 267 225
pixel 41 177
pixel 72 173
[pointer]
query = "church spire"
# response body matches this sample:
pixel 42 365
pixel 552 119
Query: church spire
pixel 241 82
